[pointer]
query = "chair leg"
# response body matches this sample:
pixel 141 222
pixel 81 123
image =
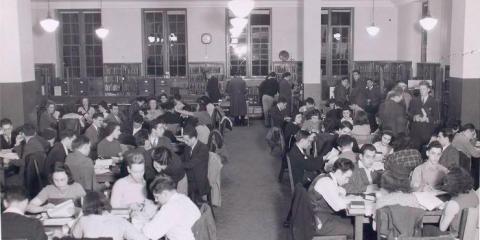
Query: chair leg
pixel 282 169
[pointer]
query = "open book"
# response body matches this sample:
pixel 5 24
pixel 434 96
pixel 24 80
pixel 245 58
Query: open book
pixel 103 163
pixel 62 210
pixel 428 200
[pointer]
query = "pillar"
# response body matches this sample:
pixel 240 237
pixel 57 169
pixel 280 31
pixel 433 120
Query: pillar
pixel 312 39
pixel 465 65
pixel 18 91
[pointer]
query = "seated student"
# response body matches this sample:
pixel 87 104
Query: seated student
pixel 137 106
pixel 97 221
pixel 313 121
pixel 345 128
pixel 427 175
pixel 145 148
pixel 168 163
pixel 81 165
pixel 201 114
pixel 464 141
pixel 7 138
pixel 403 154
pixel 153 111
pixel 347 116
pixel 328 199
pixel 158 134
pixel 383 146
pixel 93 132
pixel 304 167
pixel 115 115
pixel 177 100
pixel 138 124
pixel 62 188
pixel 309 106
pixel 333 110
pixel 86 110
pixel 279 113
pixel 59 151
pixel 103 109
pixel 195 161
pixel 450 155
pixel 130 190
pixel 345 146
pixel 176 216
pixel 202 130
pixel 361 128
pixel 110 147
pixel 364 173
pixel 15 225
pixel 169 115
pixel 48 118
pixel 291 128
pixel 459 184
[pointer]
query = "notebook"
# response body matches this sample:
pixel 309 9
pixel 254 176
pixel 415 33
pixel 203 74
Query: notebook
pixel 428 200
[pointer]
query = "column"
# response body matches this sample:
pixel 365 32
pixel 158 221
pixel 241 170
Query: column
pixel 465 65
pixel 312 46
pixel 17 86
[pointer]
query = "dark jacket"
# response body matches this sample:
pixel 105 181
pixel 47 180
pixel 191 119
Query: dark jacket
pixel 422 131
pixel 395 221
pixel 237 89
pixel 303 222
pixel 205 228
pixel 341 95
pixel 393 117
pixel 56 154
pixel 213 90
pixel 268 87
pixel 7 143
pixel 358 182
pixel 285 89
pixel 16 226
pixel 450 157
pixel 46 121
pixel 278 117
pixel 175 168
pixel 303 165
pixel 83 171
pixel 32 165
pixel 196 166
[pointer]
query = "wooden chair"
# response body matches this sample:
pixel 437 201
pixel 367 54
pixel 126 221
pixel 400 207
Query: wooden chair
pixel 469 224
pixel 290 174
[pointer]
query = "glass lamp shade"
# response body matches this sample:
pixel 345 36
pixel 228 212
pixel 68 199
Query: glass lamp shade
pixel 238 23
pixel 151 39
pixel 102 32
pixel 428 23
pixel 240 50
pixel 241 8
pixel 373 30
pixel 235 32
pixel 49 24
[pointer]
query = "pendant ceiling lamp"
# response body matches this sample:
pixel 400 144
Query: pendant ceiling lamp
pixel 373 30
pixel 101 32
pixel 238 23
pixel 241 8
pixel 49 24
pixel 428 22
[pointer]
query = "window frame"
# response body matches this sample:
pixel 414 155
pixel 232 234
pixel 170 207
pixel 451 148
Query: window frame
pixel 82 43
pixel 249 66
pixel 165 30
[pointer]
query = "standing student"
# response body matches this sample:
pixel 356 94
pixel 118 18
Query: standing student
pixel 213 89
pixel 426 116
pixel 15 225
pixel 392 114
pixel 341 93
pixel 267 91
pixel 328 199
pixel 373 102
pixel 237 89
pixel 285 90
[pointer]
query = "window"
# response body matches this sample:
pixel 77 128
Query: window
pixel 250 54
pixel 164 34
pixel 81 49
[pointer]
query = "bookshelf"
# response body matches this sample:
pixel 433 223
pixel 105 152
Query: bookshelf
pixel 197 72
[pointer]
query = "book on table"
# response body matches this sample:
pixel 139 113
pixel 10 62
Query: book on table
pixel 357 205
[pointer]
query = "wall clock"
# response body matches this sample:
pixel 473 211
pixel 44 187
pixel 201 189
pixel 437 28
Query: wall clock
pixel 206 38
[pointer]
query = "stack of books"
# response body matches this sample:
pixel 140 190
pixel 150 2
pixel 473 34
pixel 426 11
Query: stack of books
pixel 357 207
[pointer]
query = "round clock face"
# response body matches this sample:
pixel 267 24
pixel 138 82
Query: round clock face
pixel 206 38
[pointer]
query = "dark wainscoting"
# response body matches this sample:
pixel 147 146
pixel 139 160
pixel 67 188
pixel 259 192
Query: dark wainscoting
pixel 465 100
pixel 18 101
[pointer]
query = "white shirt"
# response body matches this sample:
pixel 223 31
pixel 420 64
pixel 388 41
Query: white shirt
pixel 14 210
pixel 135 130
pixel 126 191
pixel 331 192
pixel 65 148
pixel 368 171
pixel 174 219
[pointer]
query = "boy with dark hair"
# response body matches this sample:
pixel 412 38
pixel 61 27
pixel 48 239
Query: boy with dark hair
pixel 428 175
pixel 364 173
pixel 450 155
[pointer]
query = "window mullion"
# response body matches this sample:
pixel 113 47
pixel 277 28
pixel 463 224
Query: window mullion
pixel 249 47
pixel 166 42
pixel 83 58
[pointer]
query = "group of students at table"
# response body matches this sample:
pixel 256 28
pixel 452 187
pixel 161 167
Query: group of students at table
pixel 171 214
pixel 397 175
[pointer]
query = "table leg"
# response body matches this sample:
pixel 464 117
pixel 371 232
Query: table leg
pixel 359 227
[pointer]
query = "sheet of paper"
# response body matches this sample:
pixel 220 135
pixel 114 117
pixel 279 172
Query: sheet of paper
pixel 428 200
pixel 62 210
pixel 103 163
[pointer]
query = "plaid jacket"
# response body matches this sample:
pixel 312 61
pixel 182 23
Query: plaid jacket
pixel 409 158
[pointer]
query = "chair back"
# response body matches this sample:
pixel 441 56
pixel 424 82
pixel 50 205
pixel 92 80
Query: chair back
pixel 398 221
pixel 468 229
pixel 290 174
pixel 464 161
pixel 204 228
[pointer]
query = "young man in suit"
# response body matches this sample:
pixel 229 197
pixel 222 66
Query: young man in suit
pixel 15 225
pixel 93 132
pixel 426 116
pixel 278 113
pixel 304 167
pixel 364 174
pixel 7 138
pixel 341 93
pixel 373 102
pixel 60 150
pixel 392 113
pixel 195 162
pixel 450 155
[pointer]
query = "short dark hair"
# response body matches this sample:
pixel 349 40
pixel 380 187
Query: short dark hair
pixel 272 74
pixel 286 74
pixel 79 142
pixel 356 71
pixel 448 133
pixel 62 167
pixel 396 179
pixel 395 92
pixel 343 164
pixel 344 78
pixel 113 105
pixel 162 183
pixel 103 104
pixel 95 203
pixel 367 147
pixel 468 126
pixel 330 125
pixel 137 118
pixel 140 137
pixel 67 133
pixel 134 157
pixel 389 133
pixel 402 142
pixel 281 99
pixel 162 155
pixel 345 124
pixel 140 99
pixel 167 105
pixel 154 124
pixel 424 83
pixel 5 121
pixel 97 115
pixel 361 118
pixel 15 193
pixel 314 112
pixel 310 100
pixel 190 131
pixel 301 134
pixel 434 144
pixel 29 129
pixel 111 126
pixel 457 181
pixel 345 140
pixel 177 96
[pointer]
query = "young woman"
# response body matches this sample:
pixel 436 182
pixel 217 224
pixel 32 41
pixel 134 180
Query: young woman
pixel 361 128
pixel 103 108
pixel 98 222
pixel 153 111
pixel 110 147
pixel 86 110
pixel 62 188
pixel 383 146
pixel 313 121
pixel 48 118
